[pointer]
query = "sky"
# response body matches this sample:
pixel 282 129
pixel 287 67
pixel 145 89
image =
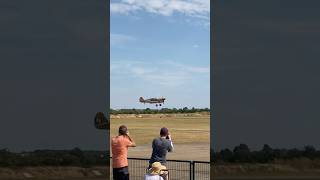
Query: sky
pixel 266 74
pixel 160 48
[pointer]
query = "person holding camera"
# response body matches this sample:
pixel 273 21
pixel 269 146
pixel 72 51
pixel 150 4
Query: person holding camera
pixel 120 145
pixel 160 147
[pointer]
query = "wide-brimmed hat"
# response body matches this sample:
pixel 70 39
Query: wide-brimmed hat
pixel 156 168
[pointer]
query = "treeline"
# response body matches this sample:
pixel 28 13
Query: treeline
pixel 160 111
pixel 242 154
pixel 75 157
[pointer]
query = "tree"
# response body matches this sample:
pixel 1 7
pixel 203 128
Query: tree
pixel 309 152
pixel 267 152
pixel 227 155
pixel 185 110
pixel 148 110
pixel 242 153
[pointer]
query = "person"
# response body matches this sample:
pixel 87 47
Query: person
pixel 119 145
pixel 157 172
pixel 160 147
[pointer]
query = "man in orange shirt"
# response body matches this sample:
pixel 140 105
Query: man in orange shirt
pixel 119 145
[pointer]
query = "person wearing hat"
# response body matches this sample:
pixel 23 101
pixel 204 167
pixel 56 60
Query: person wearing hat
pixel 120 145
pixel 160 147
pixel 156 172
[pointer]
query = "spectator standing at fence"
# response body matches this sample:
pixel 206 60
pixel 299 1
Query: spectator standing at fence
pixel 160 147
pixel 157 172
pixel 120 145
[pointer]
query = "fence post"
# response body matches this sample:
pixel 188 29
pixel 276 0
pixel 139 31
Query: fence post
pixel 190 170
pixel 193 170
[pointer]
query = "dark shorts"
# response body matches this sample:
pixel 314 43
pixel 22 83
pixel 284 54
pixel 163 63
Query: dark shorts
pixel 121 173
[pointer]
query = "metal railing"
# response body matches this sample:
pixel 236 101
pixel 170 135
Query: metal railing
pixel 178 169
pixel 201 170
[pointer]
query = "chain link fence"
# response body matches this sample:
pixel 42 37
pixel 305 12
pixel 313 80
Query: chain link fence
pixel 178 169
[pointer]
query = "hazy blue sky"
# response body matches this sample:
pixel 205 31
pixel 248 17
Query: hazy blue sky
pixel 160 48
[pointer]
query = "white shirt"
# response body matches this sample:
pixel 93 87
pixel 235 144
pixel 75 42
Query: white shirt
pixel 152 177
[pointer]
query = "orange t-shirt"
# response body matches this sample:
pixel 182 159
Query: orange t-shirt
pixel 119 147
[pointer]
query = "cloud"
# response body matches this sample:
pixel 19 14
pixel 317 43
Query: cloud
pixel 120 39
pixel 192 8
pixel 188 68
pixel 166 73
pixel 122 8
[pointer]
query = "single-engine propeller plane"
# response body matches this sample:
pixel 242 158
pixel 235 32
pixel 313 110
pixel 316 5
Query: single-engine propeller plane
pixel 157 101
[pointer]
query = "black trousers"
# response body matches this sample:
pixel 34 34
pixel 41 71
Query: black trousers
pixel 121 173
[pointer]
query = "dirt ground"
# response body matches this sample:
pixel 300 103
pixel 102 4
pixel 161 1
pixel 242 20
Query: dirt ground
pixel 191 151
pixel 190 134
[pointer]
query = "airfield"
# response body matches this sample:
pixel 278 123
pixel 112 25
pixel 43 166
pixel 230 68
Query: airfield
pixel 190 133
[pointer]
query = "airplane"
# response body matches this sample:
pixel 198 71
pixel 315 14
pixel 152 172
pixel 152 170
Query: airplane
pixel 157 101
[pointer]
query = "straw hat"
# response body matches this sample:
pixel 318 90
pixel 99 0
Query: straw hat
pixel 156 168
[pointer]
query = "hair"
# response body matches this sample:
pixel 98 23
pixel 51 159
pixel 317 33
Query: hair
pixel 123 130
pixel 164 131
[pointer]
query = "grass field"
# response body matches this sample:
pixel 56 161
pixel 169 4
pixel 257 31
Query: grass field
pixel 190 133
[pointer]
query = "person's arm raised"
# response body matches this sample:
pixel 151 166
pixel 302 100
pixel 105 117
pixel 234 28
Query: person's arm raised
pixel 170 149
pixel 132 143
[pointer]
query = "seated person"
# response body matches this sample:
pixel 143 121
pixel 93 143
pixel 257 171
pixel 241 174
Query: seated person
pixel 157 172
